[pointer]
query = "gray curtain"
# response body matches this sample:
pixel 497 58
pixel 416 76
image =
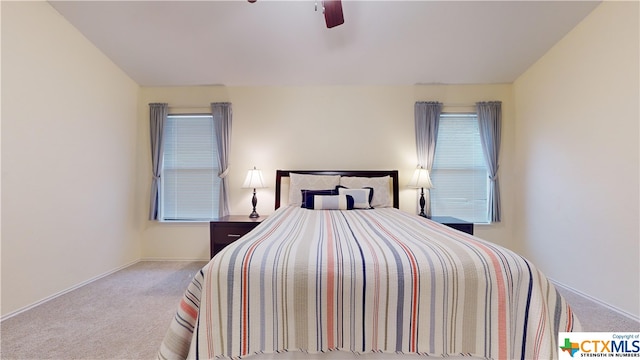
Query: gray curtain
pixel 222 115
pixel 427 118
pixel 157 118
pixel 490 123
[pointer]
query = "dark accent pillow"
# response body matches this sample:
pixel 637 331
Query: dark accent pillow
pixel 350 202
pixel 307 196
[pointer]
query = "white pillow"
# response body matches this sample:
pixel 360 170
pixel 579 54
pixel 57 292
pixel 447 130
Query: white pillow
pixel 332 202
pixel 360 197
pixel 298 182
pixel 381 188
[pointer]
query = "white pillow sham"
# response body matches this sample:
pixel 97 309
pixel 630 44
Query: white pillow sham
pixel 298 182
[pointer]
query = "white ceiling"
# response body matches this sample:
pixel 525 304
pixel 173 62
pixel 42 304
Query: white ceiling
pixel 236 43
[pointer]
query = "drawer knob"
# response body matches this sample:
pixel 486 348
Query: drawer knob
pixel 233 235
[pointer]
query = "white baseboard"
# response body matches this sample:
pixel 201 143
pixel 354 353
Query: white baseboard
pixel 597 301
pixel 172 259
pixel 60 293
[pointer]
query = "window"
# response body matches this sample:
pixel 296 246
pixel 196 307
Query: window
pixel 190 185
pixel 459 174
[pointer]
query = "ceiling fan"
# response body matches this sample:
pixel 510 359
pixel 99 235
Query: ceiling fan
pixel 332 10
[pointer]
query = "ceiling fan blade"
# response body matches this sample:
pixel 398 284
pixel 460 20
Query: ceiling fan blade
pixel 333 13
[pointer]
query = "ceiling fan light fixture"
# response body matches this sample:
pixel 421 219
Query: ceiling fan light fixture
pixel 333 15
pixel 332 10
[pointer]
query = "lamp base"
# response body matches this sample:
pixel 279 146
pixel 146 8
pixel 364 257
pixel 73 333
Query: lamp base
pixel 423 202
pixel 254 202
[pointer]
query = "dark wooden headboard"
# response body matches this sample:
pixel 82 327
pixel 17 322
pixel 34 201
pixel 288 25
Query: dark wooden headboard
pixel 364 173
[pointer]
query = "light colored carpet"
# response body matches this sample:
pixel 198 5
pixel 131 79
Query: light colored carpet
pixel 597 318
pixel 125 316
pixel 122 316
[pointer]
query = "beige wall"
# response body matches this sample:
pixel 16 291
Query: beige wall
pixel 314 128
pixel 68 139
pixel 76 163
pixel 577 112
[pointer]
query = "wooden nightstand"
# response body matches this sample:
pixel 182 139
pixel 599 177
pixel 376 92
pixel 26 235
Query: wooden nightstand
pixel 225 230
pixel 455 223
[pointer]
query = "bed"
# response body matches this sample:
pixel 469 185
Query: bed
pixel 339 272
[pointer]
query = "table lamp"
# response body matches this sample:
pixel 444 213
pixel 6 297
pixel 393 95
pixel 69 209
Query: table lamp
pixel 421 180
pixel 254 180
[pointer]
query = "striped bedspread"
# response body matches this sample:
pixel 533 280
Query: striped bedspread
pixel 366 281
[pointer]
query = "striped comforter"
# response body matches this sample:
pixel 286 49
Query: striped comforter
pixel 366 281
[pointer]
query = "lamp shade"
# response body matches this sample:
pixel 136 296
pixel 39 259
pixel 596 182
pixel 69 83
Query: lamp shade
pixel 420 179
pixel 254 179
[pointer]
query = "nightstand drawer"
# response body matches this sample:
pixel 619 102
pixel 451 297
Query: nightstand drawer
pixel 228 229
pixel 228 233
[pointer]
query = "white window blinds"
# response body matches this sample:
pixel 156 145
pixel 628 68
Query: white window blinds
pixel 190 183
pixel 459 173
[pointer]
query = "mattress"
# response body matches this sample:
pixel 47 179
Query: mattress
pixel 376 282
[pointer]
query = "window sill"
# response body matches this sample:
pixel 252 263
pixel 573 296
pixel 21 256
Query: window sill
pixel 178 222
